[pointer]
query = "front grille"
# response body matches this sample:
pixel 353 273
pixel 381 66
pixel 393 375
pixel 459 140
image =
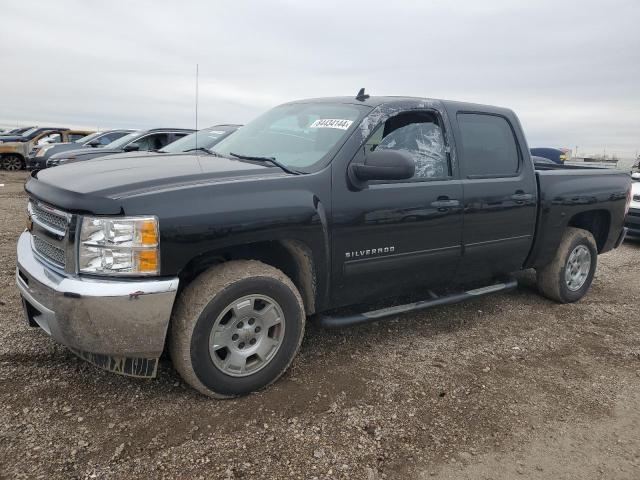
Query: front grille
pixel 49 218
pixel 50 252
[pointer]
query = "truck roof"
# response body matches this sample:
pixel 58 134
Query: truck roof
pixel 375 101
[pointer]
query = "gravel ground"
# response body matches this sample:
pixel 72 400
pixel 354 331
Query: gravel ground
pixel 506 386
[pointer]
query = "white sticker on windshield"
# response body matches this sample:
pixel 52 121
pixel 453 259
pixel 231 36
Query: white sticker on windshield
pixel 331 123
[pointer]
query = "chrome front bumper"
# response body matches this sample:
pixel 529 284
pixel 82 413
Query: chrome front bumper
pixel 119 325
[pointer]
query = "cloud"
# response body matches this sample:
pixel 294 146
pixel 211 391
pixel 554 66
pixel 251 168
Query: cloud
pixel 570 69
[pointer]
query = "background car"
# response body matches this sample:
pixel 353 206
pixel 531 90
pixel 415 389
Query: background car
pixel 39 155
pixel 557 155
pixel 632 220
pixel 142 140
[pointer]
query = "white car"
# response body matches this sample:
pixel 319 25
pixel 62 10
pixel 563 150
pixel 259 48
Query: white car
pixel 632 222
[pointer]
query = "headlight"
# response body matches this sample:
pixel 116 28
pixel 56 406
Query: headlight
pixel 119 246
pixel 42 150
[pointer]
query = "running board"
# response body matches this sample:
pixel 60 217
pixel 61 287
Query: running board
pixel 328 321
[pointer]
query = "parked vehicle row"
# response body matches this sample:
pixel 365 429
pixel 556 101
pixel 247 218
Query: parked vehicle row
pixel 221 253
pixel 41 153
pixel 147 142
pixel 14 149
pixel 41 148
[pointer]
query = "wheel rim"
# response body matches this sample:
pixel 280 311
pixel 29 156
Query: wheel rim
pixel 12 163
pixel 577 268
pixel 246 335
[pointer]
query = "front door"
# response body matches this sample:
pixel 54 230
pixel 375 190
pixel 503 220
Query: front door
pixel 392 238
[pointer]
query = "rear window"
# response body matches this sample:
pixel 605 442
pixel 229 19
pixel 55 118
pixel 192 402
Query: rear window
pixel 488 145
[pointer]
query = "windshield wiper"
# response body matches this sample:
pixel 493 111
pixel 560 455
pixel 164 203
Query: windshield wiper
pixel 269 160
pixel 201 149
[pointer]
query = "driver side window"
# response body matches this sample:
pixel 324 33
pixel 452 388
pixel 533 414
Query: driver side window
pixel 51 138
pixel 420 135
pixel 153 142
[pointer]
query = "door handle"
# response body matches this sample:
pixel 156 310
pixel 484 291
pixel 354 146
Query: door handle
pixel 520 197
pixel 445 203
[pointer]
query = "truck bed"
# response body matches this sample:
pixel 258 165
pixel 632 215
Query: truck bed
pixel 571 196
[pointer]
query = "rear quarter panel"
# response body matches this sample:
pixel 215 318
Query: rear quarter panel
pixel 565 193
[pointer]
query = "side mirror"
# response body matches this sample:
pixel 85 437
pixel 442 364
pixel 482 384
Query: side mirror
pixel 384 165
pixel 94 143
pixel 132 147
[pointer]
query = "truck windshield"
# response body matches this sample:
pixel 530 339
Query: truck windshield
pixel 301 136
pixel 87 138
pixel 29 132
pixel 122 141
pixel 206 138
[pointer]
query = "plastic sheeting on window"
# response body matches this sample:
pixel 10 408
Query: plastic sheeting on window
pixel 425 143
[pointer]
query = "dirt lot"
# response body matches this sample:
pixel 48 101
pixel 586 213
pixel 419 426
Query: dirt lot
pixel 509 386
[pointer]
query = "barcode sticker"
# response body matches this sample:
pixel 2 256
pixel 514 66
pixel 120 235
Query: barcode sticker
pixel 331 123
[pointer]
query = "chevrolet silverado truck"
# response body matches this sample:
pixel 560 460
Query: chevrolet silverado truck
pixel 220 256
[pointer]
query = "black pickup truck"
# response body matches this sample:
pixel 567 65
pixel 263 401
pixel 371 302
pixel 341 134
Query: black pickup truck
pixel 219 256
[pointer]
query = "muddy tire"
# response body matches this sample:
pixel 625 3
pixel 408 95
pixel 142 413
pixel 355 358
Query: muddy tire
pixel 12 163
pixel 568 276
pixel 236 328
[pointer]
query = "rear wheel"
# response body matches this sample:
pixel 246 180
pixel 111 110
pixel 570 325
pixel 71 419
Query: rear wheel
pixel 569 275
pixel 12 163
pixel 236 328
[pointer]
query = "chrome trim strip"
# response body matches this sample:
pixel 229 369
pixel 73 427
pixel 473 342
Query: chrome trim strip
pixel 36 219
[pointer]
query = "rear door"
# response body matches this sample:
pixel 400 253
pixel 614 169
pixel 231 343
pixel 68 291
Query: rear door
pixel 500 194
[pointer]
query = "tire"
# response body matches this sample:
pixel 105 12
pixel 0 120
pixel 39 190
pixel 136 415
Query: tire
pixel 242 299
pixel 555 281
pixel 13 163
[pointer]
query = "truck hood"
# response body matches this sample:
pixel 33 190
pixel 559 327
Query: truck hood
pixel 97 185
pixel 79 152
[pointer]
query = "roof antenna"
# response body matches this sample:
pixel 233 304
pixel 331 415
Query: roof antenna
pixel 196 107
pixel 361 95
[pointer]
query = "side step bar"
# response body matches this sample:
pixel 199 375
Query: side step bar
pixel 328 321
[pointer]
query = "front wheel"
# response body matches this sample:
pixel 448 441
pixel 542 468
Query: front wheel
pixel 12 163
pixel 569 275
pixel 236 328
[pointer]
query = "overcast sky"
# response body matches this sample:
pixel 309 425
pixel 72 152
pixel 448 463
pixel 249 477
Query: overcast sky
pixel 570 69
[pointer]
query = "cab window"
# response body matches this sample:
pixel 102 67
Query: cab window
pixel 488 145
pixel 420 135
pixel 153 142
pixel 51 138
